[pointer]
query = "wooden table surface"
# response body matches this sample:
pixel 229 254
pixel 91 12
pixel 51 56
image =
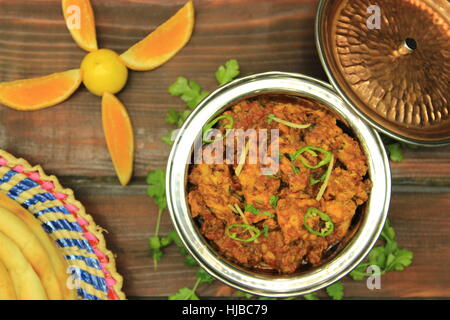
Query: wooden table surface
pixel 264 36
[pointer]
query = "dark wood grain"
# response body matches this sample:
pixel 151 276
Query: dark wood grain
pixel 421 220
pixel 264 36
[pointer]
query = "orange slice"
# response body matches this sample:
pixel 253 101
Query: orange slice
pixel 119 136
pixel 80 21
pixel 40 93
pixel 163 43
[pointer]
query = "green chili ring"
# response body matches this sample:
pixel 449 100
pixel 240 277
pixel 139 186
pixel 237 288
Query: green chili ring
pixel 329 225
pixel 311 149
pixel 212 123
pixel 245 227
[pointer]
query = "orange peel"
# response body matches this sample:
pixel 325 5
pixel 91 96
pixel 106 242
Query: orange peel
pixel 80 21
pixel 119 136
pixel 40 93
pixel 154 50
pixel 163 43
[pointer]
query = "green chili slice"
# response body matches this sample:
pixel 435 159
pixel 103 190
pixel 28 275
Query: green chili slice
pixel 310 150
pixel 245 227
pixel 316 213
pixel 212 123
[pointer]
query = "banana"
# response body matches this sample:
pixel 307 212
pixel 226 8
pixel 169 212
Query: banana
pixel 25 281
pixel 56 258
pixel 7 291
pixel 18 232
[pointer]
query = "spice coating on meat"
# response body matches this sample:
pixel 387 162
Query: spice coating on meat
pixel 271 221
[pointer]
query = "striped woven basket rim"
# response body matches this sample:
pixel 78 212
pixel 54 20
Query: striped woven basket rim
pixel 100 279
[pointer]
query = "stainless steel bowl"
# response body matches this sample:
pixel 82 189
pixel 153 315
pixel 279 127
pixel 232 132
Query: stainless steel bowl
pixel 242 278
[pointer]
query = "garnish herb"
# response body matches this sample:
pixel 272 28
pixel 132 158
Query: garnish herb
pixel 274 201
pixel 313 213
pixel 251 209
pixel 387 257
pixel 313 181
pixel 295 169
pixel 208 127
pixel 311 296
pixel 245 227
pixel 268 214
pixel 287 123
pixel 157 191
pixel 242 159
pixel 395 152
pixel 227 72
pixel 191 93
pixel 335 291
pixel 266 230
pixel 244 218
pixel 327 179
pixel 311 149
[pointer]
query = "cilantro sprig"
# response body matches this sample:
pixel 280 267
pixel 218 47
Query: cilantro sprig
pixel 157 191
pixel 227 72
pixel 388 257
pixel 192 94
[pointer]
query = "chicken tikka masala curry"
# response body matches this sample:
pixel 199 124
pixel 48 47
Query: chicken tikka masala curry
pixel 296 217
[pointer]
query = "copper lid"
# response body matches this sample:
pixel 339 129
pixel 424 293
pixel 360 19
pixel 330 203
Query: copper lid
pixel 390 60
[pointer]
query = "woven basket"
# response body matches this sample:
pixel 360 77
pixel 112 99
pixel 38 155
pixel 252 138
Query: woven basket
pixel 74 231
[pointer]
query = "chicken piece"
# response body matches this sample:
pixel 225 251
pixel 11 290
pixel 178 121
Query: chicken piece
pixel 351 155
pixel 341 213
pixel 290 214
pixel 347 185
pixel 196 203
pixel 246 254
pixel 214 183
pixel 324 131
pixel 279 256
pixel 257 190
pixel 295 174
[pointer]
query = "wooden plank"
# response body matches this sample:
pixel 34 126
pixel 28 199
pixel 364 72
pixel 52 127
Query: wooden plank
pixel 421 220
pixel 263 36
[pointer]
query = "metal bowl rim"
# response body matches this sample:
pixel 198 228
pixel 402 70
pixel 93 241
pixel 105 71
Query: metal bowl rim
pixel 197 246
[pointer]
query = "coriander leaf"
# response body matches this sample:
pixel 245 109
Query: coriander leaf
pixel 227 72
pixel 268 214
pixel 395 152
pixel 173 116
pixel 190 261
pixel 244 295
pixel 176 239
pixel 274 201
pixel 266 298
pixel 189 91
pixel 154 243
pixel 402 259
pixel 157 255
pixel 388 232
pixel 183 117
pixel 165 241
pixel 251 209
pixel 184 294
pixel 295 169
pixel 157 187
pixel 311 296
pixel 204 276
pixel 387 257
pixel 336 291
pixel 266 230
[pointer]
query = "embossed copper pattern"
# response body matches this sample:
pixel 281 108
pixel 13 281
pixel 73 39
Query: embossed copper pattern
pixel 397 76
